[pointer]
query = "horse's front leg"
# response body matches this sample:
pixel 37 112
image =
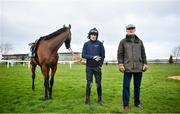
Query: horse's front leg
pixel 53 70
pixel 45 71
pixel 51 86
pixel 46 86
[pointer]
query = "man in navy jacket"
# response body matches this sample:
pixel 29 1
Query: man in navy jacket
pixel 94 53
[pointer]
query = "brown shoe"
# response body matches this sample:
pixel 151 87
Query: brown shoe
pixel 126 108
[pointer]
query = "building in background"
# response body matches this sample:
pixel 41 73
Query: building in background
pixel 15 56
pixel 67 56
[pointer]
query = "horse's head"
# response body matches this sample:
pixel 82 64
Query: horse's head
pixel 68 40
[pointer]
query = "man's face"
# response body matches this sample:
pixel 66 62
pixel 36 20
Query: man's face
pixel 131 31
pixel 93 37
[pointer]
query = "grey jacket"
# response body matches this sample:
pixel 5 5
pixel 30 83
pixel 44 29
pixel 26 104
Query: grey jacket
pixel 131 54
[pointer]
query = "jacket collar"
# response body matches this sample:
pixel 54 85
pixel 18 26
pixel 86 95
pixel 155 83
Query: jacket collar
pixel 93 41
pixel 129 40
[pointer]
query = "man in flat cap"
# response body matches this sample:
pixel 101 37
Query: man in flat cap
pixel 132 62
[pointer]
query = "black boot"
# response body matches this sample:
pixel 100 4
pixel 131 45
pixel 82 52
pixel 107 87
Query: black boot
pixel 88 92
pixel 99 91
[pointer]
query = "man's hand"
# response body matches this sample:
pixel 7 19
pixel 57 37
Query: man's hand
pixel 145 67
pixel 121 68
pixel 97 58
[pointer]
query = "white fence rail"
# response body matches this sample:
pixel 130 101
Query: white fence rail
pixel 12 62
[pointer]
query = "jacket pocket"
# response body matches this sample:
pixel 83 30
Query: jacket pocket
pixel 138 66
pixel 128 65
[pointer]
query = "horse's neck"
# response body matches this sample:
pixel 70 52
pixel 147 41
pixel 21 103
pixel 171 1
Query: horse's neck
pixel 56 42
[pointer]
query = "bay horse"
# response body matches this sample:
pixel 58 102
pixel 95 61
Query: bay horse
pixel 46 56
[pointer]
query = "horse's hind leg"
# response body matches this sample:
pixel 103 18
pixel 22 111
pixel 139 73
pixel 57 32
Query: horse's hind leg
pixel 53 71
pixel 33 68
pixel 45 71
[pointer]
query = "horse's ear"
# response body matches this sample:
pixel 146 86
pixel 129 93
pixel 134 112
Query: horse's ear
pixel 64 26
pixel 69 26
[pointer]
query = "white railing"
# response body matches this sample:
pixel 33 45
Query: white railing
pixel 12 62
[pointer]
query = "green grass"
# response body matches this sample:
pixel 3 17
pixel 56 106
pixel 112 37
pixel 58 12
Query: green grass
pixel 158 94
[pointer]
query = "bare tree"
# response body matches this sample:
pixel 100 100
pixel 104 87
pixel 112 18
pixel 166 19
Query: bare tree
pixel 176 52
pixel 5 48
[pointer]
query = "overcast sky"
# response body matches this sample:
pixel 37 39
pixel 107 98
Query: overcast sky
pixel 157 23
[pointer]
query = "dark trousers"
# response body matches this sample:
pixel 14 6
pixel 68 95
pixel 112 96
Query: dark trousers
pixel 96 71
pixel 126 87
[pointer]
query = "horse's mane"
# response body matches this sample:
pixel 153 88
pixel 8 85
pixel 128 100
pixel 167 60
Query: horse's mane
pixel 47 37
pixel 54 34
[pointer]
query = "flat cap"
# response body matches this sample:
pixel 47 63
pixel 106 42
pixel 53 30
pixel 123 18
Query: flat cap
pixel 130 26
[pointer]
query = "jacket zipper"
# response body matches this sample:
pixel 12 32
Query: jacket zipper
pixel 133 54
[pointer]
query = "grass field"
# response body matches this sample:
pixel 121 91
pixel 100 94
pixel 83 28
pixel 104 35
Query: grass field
pixel 158 94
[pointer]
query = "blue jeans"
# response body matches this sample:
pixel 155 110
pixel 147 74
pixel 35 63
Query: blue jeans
pixel 126 87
